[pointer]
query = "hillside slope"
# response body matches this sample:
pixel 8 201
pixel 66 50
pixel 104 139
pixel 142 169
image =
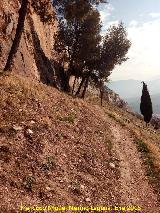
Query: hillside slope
pixel 62 151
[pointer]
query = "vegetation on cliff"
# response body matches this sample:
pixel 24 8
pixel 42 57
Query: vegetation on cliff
pixel 79 43
pixel 79 26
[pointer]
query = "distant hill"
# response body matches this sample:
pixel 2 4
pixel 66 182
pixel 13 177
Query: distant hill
pixel 126 88
pixel 131 90
pixel 134 103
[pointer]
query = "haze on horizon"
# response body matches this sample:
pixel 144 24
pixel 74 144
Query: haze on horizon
pixel 142 20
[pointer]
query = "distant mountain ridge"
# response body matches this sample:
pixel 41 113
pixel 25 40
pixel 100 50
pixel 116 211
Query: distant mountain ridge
pixel 131 90
pixel 134 103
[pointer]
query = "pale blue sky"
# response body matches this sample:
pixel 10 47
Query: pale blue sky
pixel 142 19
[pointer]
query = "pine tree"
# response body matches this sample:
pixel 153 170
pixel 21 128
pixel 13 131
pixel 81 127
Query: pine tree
pixel 146 104
pixel 79 44
pixel 79 27
pixel 114 49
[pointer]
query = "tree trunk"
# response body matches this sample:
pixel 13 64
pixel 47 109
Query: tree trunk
pixel 64 80
pixel 80 86
pixel 17 39
pixel 101 95
pixel 85 87
pixel 66 83
pixel 101 88
pixel 74 85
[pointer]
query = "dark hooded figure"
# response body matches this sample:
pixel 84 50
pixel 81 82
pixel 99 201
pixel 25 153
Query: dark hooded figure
pixel 146 104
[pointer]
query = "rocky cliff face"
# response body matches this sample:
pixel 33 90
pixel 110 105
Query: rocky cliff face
pixel 114 98
pixel 35 56
pixel 111 97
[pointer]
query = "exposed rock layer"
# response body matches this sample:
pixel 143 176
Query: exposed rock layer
pixel 35 56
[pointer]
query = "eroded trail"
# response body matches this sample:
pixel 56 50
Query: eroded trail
pixel 134 187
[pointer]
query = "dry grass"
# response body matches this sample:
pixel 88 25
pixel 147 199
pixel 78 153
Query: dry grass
pixel 146 139
pixel 65 157
pixel 53 148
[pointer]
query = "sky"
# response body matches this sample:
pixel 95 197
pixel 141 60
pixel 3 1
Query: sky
pixel 142 20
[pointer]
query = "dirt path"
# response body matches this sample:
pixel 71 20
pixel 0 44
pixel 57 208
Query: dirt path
pixel 134 186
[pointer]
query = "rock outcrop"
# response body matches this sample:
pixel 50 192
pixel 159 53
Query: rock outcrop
pixel 115 99
pixel 35 56
pixel 111 97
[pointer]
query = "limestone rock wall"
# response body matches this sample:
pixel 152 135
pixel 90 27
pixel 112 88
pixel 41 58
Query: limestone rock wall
pixel 114 98
pixel 35 56
pixel 111 97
